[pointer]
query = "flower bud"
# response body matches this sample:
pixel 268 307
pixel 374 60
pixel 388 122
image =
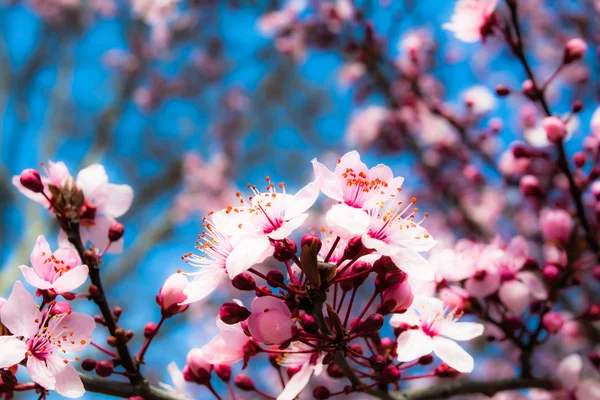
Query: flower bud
pixel 575 50
pixel 244 282
pixel 199 370
pixel 556 225
pixel 243 382
pixel 555 129
pixel 321 393
pixel 373 323
pixel 579 159
pixel 353 247
pixel 115 232
pixel 284 249
pixel 117 311
pixel 356 348
pixel 232 313
pixel 384 265
pixel 377 361
pixel 360 269
pixel 88 364
pixel 502 90
pixel 275 278
pixel 171 294
pixel 529 90
pixel 335 372
pixel 595 274
pixel 390 374
pixel 223 371
pixel 60 307
pixel 426 359
pixel 396 299
pixel 530 186
pixel 308 239
pixel 308 323
pixel 446 371
pixel 30 179
pixel 150 330
pixel 551 273
pixel 592 313
pixel 552 322
pixel 387 344
pixel 104 368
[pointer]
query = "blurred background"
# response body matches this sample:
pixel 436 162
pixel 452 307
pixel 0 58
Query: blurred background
pixel 187 101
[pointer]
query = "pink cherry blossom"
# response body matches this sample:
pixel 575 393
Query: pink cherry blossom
pixel 310 364
pixel 60 271
pixel 178 386
pixel 480 100
pixel 397 298
pixel 434 329
pixel 48 341
pixel 271 320
pixel 556 225
pixel 569 371
pixel 356 188
pixel 469 17
pixel 267 216
pixel 365 126
pixel 228 347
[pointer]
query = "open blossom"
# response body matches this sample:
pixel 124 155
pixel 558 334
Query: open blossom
pixel 433 329
pixel 103 202
pixel 60 271
pixel 48 342
pixel 470 18
pixel 265 217
pixel 228 347
pixel 480 99
pixel 365 127
pixel 356 188
pixel 310 364
pixel 271 320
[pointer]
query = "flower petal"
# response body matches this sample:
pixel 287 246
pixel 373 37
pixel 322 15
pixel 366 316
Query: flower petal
pixel 328 182
pixel 33 279
pixel 288 227
pixel 71 280
pixel 68 382
pixel 569 370
pixel 41 373
pixel 217 351
pixel 20 313
pixel 302 201
pixel 41 252
pixel 347 222
pixel 453 355
pixel 12 351
pixel 515 295
pixel 205 282
pixel 535 285
pixel 413 344
pixel 414 264
pixel 75 329
pixel 588 389
pixel 119 200
pixel 247 253
pixel 296 383
pixel 93 181
pixel 462 330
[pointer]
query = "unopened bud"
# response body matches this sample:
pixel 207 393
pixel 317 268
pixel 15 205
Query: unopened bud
pixel 555 129
pixel 232 313
pixel 104 368
pixel 244 282
pixel 150 330
pixel 223 371
pixel 552 322
pixel 275 278
pixel 243 382
pixel 373 323
pixel 551 273
pixel 30 179
pixel 284 249
pixel 88 364
pixel 390 374
pixel 309 239
pixel 446 371
pixel 116 231
pixel 502 90
pixel 530 186
pixel 377 361
pixel 426 359
pixel 575 50
pixel 321 393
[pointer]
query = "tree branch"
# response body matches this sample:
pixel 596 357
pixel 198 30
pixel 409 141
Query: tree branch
pixel 124 389
pixel 488 388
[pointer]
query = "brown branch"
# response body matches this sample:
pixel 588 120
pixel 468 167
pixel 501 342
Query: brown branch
pixel 488 388
pixel 125 390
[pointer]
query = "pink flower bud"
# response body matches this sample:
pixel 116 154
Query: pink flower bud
pixel 552 322
pixel 60 307
pixel 284 249
pixel 308 323
pixel 271 321
pixel 115 232
pixel 231 313
pixel 373 323
pixel 171 294
pixel 150 330
pixel 446 371
pixel 575 50
pixel 243 382
pixel 223 372
pixel 104 368
pixel 377 361
pixel 390 374
pixel 579 159
pixel 555 129
pixel 199 370
pixel 595 274
pixel 556 225
pixel 596 189
pixel 550 273
pixel 30 179
pixel 396 299
pixel 308 239
pixel 244 282
pixel 530 186
pixel 529 90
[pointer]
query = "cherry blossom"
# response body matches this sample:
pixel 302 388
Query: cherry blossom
pixel 60 271
pixel 271 320
pixel 49 340
pixel 431 328
pixel 310 364
pixel 469 19
pixel 228 347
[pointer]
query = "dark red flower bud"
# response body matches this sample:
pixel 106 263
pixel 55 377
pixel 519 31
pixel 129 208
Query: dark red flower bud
pixel 284 249
pixel 150 330
pixel 426 359
pixel 373 323
pixel 117 311
pixel 592 313
pixel 594 358
pixel 502 90
pixel 390 374
pixel 353 248
pixel 551 273
pixel 243 382
pixel 88 364
pixel 445 371
pixel 321 393
pixel 104 368
pixel 596 272
pixel 244 282
pixel 357 348
pixel 223 371
pixel 30 179
pixel 577 106
pixel 116 231
pixel 378 361
pixel 384 265
pixel 309 239
pixel 275 278
pixel 309 323
pixel 335 372
pixel 232 313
